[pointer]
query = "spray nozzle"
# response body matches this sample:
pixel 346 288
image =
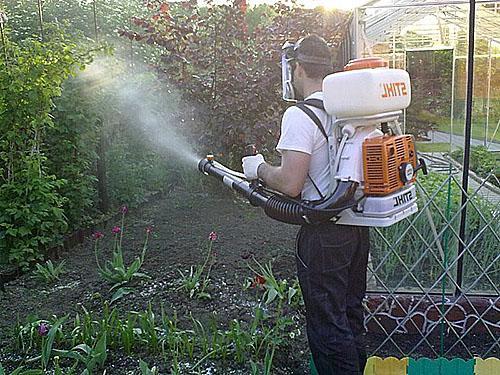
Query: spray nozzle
pixel 210 157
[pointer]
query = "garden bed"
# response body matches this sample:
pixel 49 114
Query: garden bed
pixel 182 221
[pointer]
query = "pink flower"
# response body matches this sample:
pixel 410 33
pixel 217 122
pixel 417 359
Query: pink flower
pixel 124 209
pixel 43 329
pixel 149 229
pixel 212 236
pixel 116 230
pixel 97 235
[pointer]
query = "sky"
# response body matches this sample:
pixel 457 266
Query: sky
pixel 330 4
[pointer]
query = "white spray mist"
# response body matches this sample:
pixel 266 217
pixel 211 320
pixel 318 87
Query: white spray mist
pixel 145 104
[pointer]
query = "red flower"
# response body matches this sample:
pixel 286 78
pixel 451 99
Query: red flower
pixel 212 236
pixel 97 235
pixel 116 230
pixel 124 209
pixel 259 281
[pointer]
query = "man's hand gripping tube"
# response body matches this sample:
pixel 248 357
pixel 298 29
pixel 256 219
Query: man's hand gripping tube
pixel 280 207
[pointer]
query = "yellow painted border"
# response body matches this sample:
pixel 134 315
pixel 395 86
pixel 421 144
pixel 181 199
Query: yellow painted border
pixel 488 366
pixel 387 366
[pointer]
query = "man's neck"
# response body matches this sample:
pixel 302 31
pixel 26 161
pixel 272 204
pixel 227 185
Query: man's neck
pixel 312 87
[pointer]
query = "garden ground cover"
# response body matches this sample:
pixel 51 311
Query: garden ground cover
pixel 182 219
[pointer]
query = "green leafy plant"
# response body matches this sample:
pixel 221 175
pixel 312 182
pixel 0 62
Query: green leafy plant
pixel 91 357
pixel 41 334
pixel 196 281
pixel 85 327
pixel 21 371
pixel 58 370
pixel 145 370
pixel 48 342
pixel 274 289
pixel 31 207
pixel 482 161
pixel 94 334
pixel 49 273
pixel 32 334
pixel 127 331
pixel 115 270
pixel 148 331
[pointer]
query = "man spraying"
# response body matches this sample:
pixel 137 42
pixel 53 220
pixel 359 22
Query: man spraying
pixel 331 259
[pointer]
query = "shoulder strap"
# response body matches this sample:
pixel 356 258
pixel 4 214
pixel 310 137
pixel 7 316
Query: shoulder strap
pixel 314 102
pixel 317 103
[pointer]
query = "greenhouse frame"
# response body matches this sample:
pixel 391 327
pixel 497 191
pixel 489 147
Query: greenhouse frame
pixel 439 273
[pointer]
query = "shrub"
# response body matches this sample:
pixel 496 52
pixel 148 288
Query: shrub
pixel 31 214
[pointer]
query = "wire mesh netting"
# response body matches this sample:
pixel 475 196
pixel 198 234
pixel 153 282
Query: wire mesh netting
pixel 434 278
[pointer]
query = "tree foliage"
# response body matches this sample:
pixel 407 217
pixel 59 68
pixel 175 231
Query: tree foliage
pixel 57 130
pixel 77 18
pixel 31 214
pixel 228 71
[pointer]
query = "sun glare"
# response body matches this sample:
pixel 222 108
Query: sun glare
pixel 334 4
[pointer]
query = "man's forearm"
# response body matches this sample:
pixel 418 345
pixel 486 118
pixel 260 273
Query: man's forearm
pixel 275 179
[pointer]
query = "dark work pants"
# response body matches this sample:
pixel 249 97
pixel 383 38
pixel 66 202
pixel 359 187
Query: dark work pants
pixel 331 266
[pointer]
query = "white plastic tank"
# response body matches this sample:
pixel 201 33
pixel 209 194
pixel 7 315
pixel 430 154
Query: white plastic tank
pixel 366 87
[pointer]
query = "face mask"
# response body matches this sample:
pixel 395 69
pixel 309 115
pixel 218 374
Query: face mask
pixel 290 55
pixel 287 61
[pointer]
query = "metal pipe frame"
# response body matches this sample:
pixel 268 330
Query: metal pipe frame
pixel 487 124
pixel 421 4
pixel 467 145
pixel 40 18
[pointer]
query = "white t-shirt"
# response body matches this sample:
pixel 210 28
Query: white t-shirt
pixel 300 133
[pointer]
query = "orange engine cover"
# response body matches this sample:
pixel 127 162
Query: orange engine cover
pixel 383 158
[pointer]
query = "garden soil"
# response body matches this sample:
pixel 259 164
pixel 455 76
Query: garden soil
pixel 182 219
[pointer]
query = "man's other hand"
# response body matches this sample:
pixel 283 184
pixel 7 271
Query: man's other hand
pixel 251 164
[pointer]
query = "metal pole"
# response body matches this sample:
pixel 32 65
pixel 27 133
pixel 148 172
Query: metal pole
pixel 487 125
pixel 452 109
pixel 411 4
pixel 40 18
pixel 468 126
pixel 355 55
pixel 3 18
pixel 405 67
pixel 394 50
pixel 94 8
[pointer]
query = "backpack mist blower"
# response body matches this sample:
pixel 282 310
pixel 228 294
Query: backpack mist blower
pixel 372 165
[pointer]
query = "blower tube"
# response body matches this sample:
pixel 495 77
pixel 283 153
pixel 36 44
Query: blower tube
pixel 280 207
